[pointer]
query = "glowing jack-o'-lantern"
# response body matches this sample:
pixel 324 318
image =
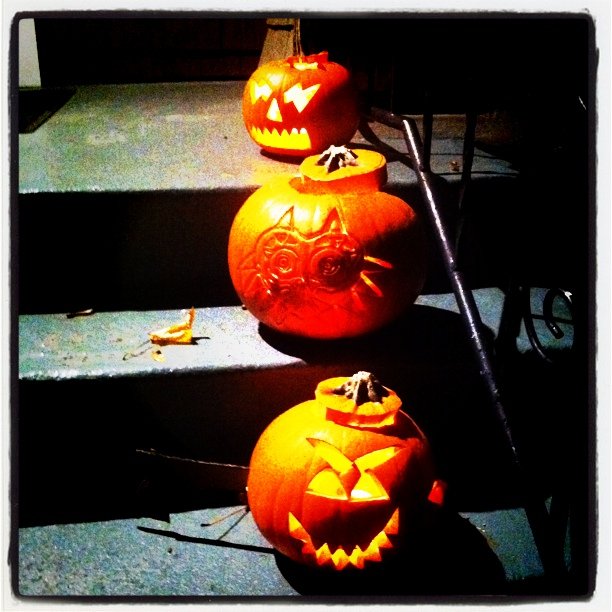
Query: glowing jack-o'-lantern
pixel 334 481
pixel 326 254
pixel 300 105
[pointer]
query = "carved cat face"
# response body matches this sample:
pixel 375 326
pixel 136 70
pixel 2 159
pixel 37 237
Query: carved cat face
pixel 300 275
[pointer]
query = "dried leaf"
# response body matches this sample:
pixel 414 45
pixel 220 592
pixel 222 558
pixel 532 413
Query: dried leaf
pixel 158 355
pixel 180 333
pixel 80 313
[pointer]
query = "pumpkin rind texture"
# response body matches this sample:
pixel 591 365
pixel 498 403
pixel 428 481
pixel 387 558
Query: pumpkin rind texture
pixel 322 258
pixel 328 495
pixel 300 105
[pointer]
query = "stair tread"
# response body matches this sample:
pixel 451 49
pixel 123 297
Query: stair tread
pixel 241 564
pixel 112 344
pixel 87 347
pixel 177 136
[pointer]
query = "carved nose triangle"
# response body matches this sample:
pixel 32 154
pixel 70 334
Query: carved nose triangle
pixel 274 113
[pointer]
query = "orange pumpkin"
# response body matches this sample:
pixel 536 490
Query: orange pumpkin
pixel 300 105
pixel 335 481
pixel 326 254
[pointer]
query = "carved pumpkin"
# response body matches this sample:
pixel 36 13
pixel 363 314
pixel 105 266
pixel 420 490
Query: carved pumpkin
pixel 335 481
pixel 300 105
pixel 327 255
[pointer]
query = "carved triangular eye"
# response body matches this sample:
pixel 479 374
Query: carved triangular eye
pixel 258 91
pixel 368 487
pixel 327 483
pixel 376 458
pixel 346 479
pixel 300 97
pixel 332 455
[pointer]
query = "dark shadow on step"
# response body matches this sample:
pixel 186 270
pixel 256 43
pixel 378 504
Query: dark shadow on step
pixel 35 106
pixel 77 441
pixel 422 333
pixel 449 557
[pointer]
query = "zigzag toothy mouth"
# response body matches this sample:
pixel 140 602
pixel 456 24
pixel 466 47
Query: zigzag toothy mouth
pixel 298 140
pixel 339 558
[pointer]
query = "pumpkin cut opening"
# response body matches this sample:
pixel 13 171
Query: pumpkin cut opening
pixel 342 170
pixel 358 401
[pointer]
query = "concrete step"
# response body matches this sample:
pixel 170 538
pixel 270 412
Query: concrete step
pixel 93 345
pixel 189 554
pixel 126 196
pixel 129 192
pixel 209 401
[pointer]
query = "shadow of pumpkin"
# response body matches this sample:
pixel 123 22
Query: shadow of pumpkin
pixel 448 558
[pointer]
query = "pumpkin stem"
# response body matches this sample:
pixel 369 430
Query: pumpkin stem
pixel 362 387
pixel 337 157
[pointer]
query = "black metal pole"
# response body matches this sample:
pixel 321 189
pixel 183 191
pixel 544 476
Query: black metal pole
pixel 535 509
pixel 464 297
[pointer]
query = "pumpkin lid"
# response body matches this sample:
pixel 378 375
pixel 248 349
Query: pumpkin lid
pixel 359 400
pixel 340 170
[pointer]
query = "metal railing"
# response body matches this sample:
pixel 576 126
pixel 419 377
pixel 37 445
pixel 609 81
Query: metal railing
pixel 547 535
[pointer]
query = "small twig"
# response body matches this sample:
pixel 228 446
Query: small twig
pixel 243 511
pixel 185 538
pixel 224 517
pixel 154 453
pixel 136 352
